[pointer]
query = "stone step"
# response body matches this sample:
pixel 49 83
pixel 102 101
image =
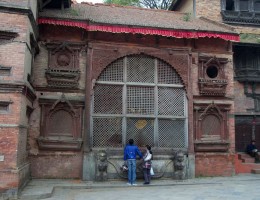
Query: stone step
pixel 245 164
pixel 248 160
pixel 255 171
pixel 245 158
pixel 243 155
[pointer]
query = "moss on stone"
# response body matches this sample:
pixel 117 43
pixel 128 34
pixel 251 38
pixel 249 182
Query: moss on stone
pixel 250 38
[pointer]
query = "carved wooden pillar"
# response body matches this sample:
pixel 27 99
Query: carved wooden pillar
pixel 88 96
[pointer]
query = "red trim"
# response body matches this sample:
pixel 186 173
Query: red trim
pixel 145 31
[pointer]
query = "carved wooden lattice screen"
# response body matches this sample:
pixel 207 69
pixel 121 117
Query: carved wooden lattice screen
pixel 211 127
pixel 139 97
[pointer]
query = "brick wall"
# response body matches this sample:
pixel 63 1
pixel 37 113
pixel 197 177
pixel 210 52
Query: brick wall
pixel 209 9
pixel 214 164
pixel 14 169
pixel 56 165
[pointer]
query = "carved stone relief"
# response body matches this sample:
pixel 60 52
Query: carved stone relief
pixel 212 79
pixel 179 165
pixel 101 166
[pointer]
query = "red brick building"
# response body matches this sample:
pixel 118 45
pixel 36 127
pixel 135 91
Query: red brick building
pixel 244 16
pixel 99 75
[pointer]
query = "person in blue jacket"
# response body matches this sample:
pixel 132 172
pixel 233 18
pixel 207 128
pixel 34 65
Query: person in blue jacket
pixel 252 150
pixel 130 153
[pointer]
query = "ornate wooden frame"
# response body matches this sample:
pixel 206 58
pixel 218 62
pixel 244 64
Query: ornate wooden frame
pixel 50 141
pixel 215 142
pixel 63 62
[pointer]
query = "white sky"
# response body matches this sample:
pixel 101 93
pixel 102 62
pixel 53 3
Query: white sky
pixel 93 1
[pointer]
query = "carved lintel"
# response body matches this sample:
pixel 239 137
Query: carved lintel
pixel 52 143
pixel 207 146
pixel 212 87
pixel 62 78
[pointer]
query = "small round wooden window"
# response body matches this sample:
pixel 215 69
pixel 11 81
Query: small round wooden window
pixel 212 71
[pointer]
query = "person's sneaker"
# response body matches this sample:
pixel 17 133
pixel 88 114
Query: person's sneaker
pixel 128 183
pixel 146 183
pixel 134 184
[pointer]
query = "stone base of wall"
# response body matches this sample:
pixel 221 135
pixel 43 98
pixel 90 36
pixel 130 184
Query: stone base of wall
pixel 13 181
pixel 163 166
pixel 56 165
pixel 214 164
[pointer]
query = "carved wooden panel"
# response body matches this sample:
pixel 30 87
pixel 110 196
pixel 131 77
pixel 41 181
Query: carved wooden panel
pixel 61 124
pixel 63 62
pixel 212 80
pixel 211 131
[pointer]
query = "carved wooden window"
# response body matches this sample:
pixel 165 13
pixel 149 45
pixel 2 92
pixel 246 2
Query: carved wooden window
pixel 212 79
pixel 257 104
pixel 241 11
pixel 211 126
pixel 60 125
pixel 257 6
pixel 5 106
pixel 7 37
pixel 63 70
pixel 61 128
pixel 5 71
pixel 247 63
pixel 211 133
pixel 139 97
pixel 243 5
pixel 230 5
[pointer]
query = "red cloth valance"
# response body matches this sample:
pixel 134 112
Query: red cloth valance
pixel 145 31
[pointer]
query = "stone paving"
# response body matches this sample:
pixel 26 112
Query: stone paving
pixel 246 186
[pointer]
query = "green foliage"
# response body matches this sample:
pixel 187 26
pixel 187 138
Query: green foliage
pixel 153 4
pixel 250 38
pixel 187 17
pixel 122 2
pixel 243 36
pixel 74 12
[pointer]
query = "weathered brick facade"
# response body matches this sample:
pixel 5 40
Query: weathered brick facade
pixel 46 117
pixel 245 116
pixel 16 95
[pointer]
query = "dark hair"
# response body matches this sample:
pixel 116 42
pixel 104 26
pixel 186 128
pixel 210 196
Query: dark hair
pixel 149 148
pixel 252 140
pixel 131 141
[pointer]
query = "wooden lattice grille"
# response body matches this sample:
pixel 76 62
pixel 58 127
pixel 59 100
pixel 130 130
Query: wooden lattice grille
pixel 211 126
pixel 139 97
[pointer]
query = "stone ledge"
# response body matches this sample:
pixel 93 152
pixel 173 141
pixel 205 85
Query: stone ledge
pixel 211 146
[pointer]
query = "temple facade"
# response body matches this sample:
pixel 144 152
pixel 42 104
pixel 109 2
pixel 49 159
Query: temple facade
pixel 79 80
